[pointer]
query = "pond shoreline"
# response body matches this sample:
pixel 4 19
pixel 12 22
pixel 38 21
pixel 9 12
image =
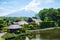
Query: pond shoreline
pixel 45 29
pixel 37 31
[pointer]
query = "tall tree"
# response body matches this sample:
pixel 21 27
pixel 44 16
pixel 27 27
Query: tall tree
pixel 49 14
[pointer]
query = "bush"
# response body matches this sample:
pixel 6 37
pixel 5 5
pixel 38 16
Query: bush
pixel 31 27
pixel 47 24
pixel 58 23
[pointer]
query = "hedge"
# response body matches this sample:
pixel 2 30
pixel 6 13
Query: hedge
pixel 47 24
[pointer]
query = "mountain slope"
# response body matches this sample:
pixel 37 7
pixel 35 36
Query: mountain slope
pixel 22 13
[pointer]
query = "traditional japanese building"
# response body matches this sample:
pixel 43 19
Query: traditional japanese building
pixel 37 20
pixel 14 28
pixel 22 22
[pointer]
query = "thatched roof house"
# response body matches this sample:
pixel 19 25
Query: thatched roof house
pixel 14 27
pixel 36 20
pixel 22 22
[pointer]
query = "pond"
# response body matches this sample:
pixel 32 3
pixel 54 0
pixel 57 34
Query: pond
pixel 43 35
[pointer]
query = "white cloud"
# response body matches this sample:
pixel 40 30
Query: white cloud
pixel 32 6
pixel 7 11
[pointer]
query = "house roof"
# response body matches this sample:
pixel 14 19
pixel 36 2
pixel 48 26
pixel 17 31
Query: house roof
pixel 22 22
pixel 14 27
pixel 34 17
pixel 37 20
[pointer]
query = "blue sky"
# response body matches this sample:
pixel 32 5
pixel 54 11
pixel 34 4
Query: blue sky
pixel 26 8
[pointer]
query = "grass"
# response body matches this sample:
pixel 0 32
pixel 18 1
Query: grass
pixel 2 38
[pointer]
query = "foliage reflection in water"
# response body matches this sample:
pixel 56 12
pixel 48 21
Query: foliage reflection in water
pixel 45 35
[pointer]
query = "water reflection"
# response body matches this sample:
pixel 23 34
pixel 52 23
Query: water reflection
pixel 45 35
pixel 52 34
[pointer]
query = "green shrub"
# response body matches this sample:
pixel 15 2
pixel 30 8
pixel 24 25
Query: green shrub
pixel 47 24
pixel 58 23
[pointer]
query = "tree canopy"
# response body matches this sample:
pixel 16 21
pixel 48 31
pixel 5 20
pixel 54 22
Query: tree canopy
pixel 50 14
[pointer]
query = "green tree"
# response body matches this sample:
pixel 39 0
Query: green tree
pixel 42 14
pixel 50 14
